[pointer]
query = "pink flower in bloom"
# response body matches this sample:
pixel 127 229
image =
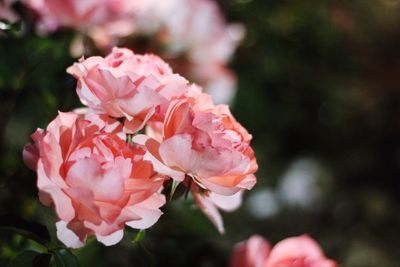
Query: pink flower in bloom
pixel 300 251
pixel 79 14
pixel 125 85
pixel 206 145
pixel 96 181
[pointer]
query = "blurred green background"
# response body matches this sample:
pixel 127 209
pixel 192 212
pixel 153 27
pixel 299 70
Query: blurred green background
pixel 319 89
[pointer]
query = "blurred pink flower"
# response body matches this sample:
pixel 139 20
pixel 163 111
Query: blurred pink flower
pixel 193 33
pixel 6 12
pixel 83 15
pixel 251 253
pixel 197 29
pixel 218 81
pixel 300 251
pixel 95 180
pixel 205 144
pixel 125 85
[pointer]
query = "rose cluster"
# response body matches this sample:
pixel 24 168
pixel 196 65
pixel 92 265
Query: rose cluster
pixel 299 251
pixel 144 130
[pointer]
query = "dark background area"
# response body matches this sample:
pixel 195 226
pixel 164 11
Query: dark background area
pixel 319 89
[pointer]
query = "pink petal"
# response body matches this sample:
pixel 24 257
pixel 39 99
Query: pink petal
pixel 219 189
pixel 62 202
pixel 248 182
pixel 111 239
pixel 30 155
pixel 67 236
pixel 153 156
pixel 210 210
pixel 226 203
pixel 147 210
pixel 106 185
pixel 177 152
pixel 31 152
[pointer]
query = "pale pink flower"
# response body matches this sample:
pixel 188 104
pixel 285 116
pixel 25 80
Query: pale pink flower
pixel 198 30
pixel 6 12
pixel 198 27
pixel 126 85
pixel 300 251
pixel 84 15
pixel 217 80
pixel 206 145
pixel 96 181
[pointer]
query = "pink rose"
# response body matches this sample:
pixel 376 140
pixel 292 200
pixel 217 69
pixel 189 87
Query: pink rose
pixel 300 251
pixel 251 253
pixel 198 27
pixel 95 180
pixel 125 85
pixel 205 147
pixel 78 14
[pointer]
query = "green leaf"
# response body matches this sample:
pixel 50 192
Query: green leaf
pixel 139 236
pixel 64 258
pixel 42 260
pixel 30 258
pixel 31 230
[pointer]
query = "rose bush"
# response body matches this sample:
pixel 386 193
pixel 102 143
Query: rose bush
pixel 101 174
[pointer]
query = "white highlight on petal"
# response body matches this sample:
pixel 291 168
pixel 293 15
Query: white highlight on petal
pixel 68 237
pixel 112 239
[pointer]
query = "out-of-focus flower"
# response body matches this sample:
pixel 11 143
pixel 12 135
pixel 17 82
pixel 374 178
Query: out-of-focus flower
pixel 199 24
pixel 8 15
pixel 217 80
pixel 125 85
pixel 206 145
pixel 251 253
pixel 192 32
pixel 197 29
pixel 96 181
pixel 87 16
pixel 299 186
pixel 300 251
pixel 263 204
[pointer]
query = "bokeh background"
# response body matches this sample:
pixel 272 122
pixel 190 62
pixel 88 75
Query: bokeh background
pixel 319 89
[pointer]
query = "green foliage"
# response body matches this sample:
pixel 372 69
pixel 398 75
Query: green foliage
pixel 139 236
pixel 26 258
pixel 64 258
pixel 31 230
